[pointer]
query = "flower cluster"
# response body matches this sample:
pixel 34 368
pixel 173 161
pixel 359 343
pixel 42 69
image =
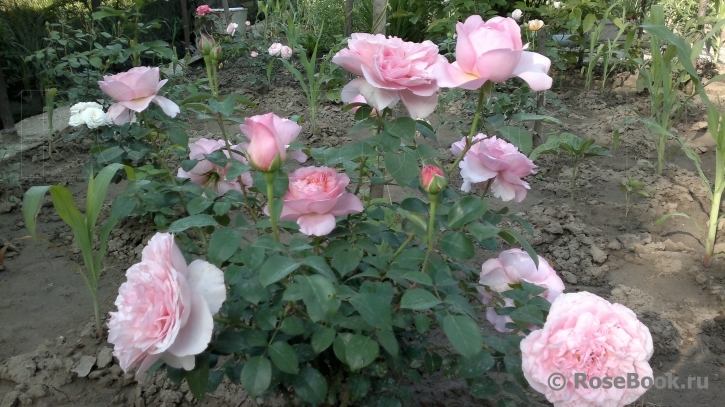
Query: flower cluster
pixel 279 50
pixel 89 113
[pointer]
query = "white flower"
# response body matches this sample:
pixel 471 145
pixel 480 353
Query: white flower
pixel 517 14
pixel 81 106
pixel 534 25
pixel 275 49
pixel 75 120
pixel 286 52
pixel 557 4
pixel 231 28
pixel 94 118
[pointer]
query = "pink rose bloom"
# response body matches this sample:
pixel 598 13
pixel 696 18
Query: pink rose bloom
pixel 206 173
pixel 275 49
pixel 358 99
pixel 314 197
pixel 512 267
pixel 391 70
pixel 203 10
pixel 492 51
pixel 247 23
pixel 253 54
pixel 232 28
pixel 165 308
pixel 497 159
pixel 134 90
pixel 269 137
pixel 285 52
pixel 587 334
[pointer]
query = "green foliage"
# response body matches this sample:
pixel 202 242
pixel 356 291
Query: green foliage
pixel 9 173
pixel 631 186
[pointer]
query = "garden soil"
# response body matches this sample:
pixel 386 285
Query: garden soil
pixel 49 355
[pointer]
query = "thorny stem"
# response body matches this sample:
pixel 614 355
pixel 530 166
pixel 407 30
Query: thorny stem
pixel 403 246
pixel 269 177
pixel 431 224
pixel 485 190
pixel 484 93
pixel 239 178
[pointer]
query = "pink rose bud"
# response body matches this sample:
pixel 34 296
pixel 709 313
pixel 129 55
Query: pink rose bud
pixel 204 44
pixel 133 90
pixel 216 53
pixel 433 179
pixel 253 54
pixel 165 308
pixel 203 10
pixel 492 51
pixel 247 23
pixel 269 137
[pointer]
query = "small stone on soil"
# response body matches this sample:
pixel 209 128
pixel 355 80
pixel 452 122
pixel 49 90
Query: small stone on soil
pixel 84 366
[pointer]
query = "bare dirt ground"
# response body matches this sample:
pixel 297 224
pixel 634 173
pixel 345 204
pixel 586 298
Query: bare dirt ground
pixel 50 357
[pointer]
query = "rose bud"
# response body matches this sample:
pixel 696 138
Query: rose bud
pixel 433 179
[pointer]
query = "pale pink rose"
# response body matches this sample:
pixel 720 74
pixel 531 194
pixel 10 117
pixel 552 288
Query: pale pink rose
pixel 232 28
pixel 587 334
pixel 253 54
pixel 208 174
pixel 391 70
pixel 314 197
pixel 247 23
pixel 165 308
pixel 269 137
pixel 134 90
pixel 492 51
pixel 275 49
pixel 497 159
pixel 517 14
pixel 285 52
pixel 359 99
pixel 203 10
pixel 512 267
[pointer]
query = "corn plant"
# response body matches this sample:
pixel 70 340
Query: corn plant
pixel 716 127
pixel 663 75
pixel 82 225
pixel 607 50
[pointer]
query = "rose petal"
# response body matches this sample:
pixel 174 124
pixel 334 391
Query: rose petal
pixel 315 224
pixel 208 280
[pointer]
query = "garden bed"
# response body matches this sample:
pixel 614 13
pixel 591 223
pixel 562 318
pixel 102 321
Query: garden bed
pixel 49 355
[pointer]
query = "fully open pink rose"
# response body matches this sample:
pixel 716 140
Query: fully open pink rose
pixel 391 69
pixel 512 267
pixel 275 49
pixel 134 90
pixel 269 137
pixel 208 174
pixel 285 52
pixel 165 308
pixel 232 28
pixel 586 334
pixel 315 196
pixel 492 51
pixel 497 159
pixel 203 10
